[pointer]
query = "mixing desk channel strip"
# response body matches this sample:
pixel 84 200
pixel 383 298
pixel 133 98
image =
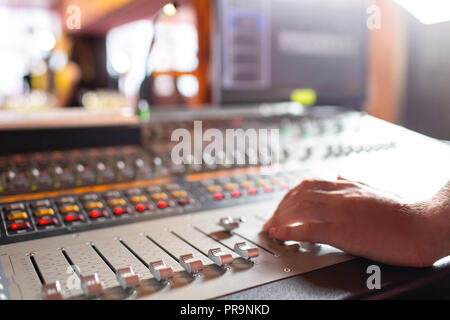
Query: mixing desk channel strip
pixel 114 270
pixel 134 253
pixel 70 262
pixel 255 244
pixel 162 248
pixel 36 268
pixel 190 244
pixel 209 236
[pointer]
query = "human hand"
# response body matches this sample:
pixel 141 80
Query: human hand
pixel 360 220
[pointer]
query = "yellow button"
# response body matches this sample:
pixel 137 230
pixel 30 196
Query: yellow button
pixel 246 184
pixel 69 208
pixel 214 189
pixel 230 186
pixel 18 215
pixel 137 199
pixel 179 194
pixel 114 202
pixel 262 182
pixel 93 205
pixel 159 196
pixel 44 212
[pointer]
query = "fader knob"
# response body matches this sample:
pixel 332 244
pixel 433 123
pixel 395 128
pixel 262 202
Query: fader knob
pixel 127 278
pixel 246 251
pixel 91 285
pixel 120 165
pixel 219 257
pixel 52 291
pixel 139 163
pixel 35 172
pixel 160 270
pixel 190 264
pixel 11 175
pixel 229 223
pixel 79 168
pixel 58 170
pixel 101 166
pixel 310 246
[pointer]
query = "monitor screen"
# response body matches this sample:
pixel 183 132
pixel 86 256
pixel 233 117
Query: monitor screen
pixel 265 50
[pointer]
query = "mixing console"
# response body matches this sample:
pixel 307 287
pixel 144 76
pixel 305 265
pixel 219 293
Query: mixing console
pixel 126 222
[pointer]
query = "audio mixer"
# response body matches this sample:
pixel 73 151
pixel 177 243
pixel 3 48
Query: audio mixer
pixel 125 222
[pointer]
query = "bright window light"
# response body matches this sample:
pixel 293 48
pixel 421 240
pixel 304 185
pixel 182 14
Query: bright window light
pixel 427 11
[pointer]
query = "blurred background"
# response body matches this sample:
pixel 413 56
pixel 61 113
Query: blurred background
pixel 121 59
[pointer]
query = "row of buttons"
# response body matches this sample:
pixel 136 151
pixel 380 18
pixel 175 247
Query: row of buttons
pixel 251 185
pixel 74 210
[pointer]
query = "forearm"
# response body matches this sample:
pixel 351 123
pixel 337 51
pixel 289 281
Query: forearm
pixel 438 210
pixel 440 203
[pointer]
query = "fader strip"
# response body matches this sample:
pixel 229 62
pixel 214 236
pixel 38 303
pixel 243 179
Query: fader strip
pixel 208 282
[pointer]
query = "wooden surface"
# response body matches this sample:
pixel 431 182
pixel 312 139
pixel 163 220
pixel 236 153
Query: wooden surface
pixel 61 118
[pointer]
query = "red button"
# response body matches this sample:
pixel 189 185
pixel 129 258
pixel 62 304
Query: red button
pixel 218 196
pixel 20 226
pixel 236 193
pixel 252 191
pixel 70 218
pixel 161 204
pixel 142 207
pixel 283 186
pixel 44 222
pixel 94 214
pixel 98 214
pixel 268 189
pixel 118 211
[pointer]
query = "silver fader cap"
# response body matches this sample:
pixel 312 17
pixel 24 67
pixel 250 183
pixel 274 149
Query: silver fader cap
pixel 127 278
pixel 91 285
pixel 52 291
pixel 191 264
pixel 245 251
pixel 229 223
pixel 219 257
pixel 160 270
pixel 310 246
